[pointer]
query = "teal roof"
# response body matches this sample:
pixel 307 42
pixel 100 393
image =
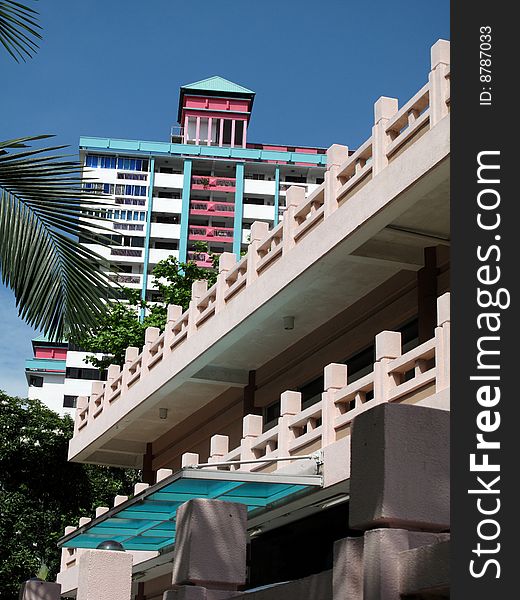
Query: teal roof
pixel 217 84
pixel 148 520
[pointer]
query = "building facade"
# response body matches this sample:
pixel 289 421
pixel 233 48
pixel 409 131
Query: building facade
pixel 208 184
pixel 58 374
pixel 291 426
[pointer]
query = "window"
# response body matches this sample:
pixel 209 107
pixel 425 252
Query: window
pixel 169 219
pixel 319 180
pixel 69 401
pixel 132 164
pixel 100 161
pixel 96 187
pixel 239 132
pixel 130 190
pixel 85 373
pixel 134 176
pixel 167 245
pixel 35 381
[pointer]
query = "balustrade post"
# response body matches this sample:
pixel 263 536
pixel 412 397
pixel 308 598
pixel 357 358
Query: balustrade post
pixel 81 404
pixel 335 378
pixel 439 85
pixel 198 289
pixel 226 262
pixel 131 354
pixel 290 405
pixel 442 343
pixel 294 198
pixel 113 372
pixel 336 156
pixel 67 553
pixel 388 347
pixel 384 109
pixel 252 426
pixel 219 447
pixel 151 335
pixel 189 459
pixel 259 231
pixel 173 314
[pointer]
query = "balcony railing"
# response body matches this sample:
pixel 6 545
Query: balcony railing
pixel 216 184
pixel 126 252
pixel 126 278
pixel 201 259
pixel 393 379
pixel 215 209
pixel 414 376
pixel 203 233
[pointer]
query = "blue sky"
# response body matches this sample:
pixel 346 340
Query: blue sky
pixel 113 68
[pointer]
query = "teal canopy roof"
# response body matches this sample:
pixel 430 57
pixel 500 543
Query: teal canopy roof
pixel 217 84
pixel 147 521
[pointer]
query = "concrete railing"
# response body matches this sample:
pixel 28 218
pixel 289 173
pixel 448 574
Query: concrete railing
pixel 396 377
pixel 393 132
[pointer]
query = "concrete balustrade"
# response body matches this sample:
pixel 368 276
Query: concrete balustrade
pixel 395 129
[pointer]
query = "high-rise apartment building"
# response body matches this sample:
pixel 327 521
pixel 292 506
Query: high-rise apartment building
pixel 207 184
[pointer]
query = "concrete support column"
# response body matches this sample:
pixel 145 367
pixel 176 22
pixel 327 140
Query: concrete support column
pixel 427 295
pixel 104 575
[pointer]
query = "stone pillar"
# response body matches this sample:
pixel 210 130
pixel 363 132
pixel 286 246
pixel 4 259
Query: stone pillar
pixel 400 468
pixel 34 589
pixel 384 109
pixel 336 156
pixel 105 575
pixel 210 545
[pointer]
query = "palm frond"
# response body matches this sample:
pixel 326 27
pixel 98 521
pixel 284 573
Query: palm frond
pixel 60 286
pixel 19 29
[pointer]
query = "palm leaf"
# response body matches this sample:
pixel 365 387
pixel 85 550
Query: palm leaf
pixel 60 286
pixel 18 29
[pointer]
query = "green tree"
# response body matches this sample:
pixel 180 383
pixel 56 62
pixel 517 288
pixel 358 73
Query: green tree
pixel 59 286
pixel 40 492
pixel 119 325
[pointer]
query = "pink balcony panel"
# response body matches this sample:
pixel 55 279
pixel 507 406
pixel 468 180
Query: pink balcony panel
pixel 201 259
pixel 208 209
pixel 210 234
pixel 214 184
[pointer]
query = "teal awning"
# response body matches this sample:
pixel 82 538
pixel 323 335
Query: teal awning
pixel 147 521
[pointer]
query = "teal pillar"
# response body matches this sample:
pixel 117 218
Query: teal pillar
pixel 239 209
pixel 276 194
pixel 146 259
pixel 185 213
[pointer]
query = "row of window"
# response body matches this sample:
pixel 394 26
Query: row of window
pixel 123 215
pixel 120 162
pixel 119 188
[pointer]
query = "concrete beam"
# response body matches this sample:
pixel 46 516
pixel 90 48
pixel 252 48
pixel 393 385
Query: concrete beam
pixel 222 376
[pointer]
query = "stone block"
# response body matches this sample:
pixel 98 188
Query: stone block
pixel 40 590
pixel 381 557
pixel 400 468
pixel 210 544
pixel 425 570
pixel 347 574
pixel 104 575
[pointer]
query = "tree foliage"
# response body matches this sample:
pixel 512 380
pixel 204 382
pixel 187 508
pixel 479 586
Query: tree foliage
pixel 120 325
pixel 40 492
